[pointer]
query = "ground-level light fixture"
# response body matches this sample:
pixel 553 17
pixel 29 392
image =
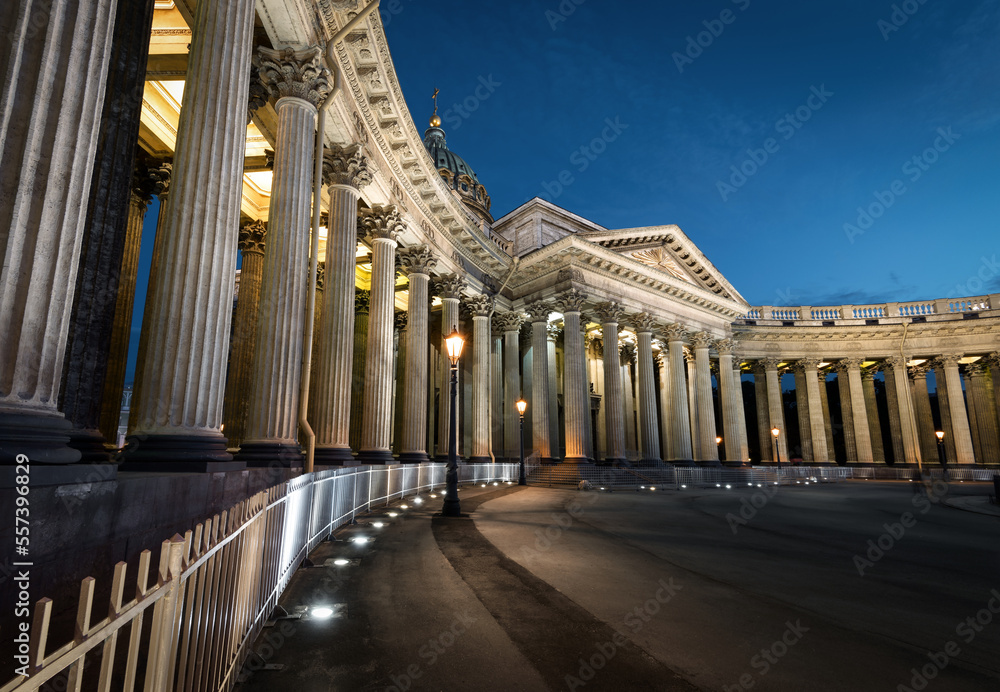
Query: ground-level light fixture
pixel 340 562
pixel 321 612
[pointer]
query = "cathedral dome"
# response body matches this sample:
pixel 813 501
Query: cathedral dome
pixel 457 174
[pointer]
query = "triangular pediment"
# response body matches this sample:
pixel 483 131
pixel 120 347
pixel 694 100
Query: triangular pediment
pixel 667 250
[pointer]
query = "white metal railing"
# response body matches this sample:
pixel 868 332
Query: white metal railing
pixel 216 586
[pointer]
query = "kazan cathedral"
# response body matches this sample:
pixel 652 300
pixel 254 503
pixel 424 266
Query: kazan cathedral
pixel 274 132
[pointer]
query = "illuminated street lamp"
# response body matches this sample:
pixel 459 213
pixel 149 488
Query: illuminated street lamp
pixel 521 407
pixel 777 455
pixel 451 508
pixel 941 452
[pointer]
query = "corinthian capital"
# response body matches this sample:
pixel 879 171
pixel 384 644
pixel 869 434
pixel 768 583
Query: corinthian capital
pixel 508 321
pixel 251 237
pixel 380 222
pixel 538 311
pixel 449 286
pixel 571 300
pixel 346 166
pixel 610 311
pixel 769 363
pixel 362 301
pixel 417 259
pixel 701 340
pixel 293 73
pixel 626 352
pixel 725 347
pixel 674 332
pixel 947 359
pixel 479 306
pixel 643 322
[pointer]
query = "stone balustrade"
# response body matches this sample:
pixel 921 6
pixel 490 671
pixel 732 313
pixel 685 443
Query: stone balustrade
pixel 892 313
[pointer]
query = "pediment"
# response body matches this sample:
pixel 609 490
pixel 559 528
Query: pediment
pixel 668 250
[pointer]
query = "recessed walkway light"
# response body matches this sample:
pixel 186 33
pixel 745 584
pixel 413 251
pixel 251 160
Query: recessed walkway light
pixel 321 612
pixel 378 524
pixel 340 562
pixel 360 540
pixel 393 514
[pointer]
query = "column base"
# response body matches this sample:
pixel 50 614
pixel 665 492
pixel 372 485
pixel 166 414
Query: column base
pixel 681 463
pixel 43 438
pixel 549 461
pixel 413 458
pixel 333 456
pixel 710 463
pixel 375 456
pixel 480 460
pixel 92 446
pixel 205 453
pixel 570 461
pixel 266 454
pixel 614 461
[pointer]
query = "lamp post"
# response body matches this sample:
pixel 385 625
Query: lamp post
pixel 718 443
pixel 940 442
pixel 777 454
pixel 521 407
pixel 452 508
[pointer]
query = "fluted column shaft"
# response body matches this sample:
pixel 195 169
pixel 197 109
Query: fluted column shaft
pixel 613 402
pixel 555 431
pixel 497 413
pixel 871 413
pixel 577 408
pixel 362 305
pixel 970 405
pixel 910 438
pixel 803 411
pixel 824 399
pixel 706 407
pixel 627 352
pixel 924 415
pixel 816 430
pixel 449 323
pixel 776 409
pixel 694 418
pixel 48 138
pixel 847 413
pixel 981 391
pixel 413 448
pixel 763 413
pixel 649 430
pixel 961 433
pixel 179 409
pixel 382 226
pixel 666 442
pixel 728 393
pixel 680 425
pixel 480 307
pixel 540 431
pixel 239 379
pixel 741 417
pixel 862 432
pixel 895 414
pixel 121 330
pixel 272 417
pixel 944 410
pixel 512 383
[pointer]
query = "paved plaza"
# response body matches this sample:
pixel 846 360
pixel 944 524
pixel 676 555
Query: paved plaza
pixel 849 586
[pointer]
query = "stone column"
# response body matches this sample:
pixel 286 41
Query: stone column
pixel 380 226
pixel 814 380
pixel 923 414
pixel 588 390
pixel 824 400
pixel 649 430
pixel 981 391
pixel 241 357
pixel 728 394
pixel 298 83
pixel 706 404
pixel 859 414
pixel 663 361
pixel 627 352
pixel 540 433
pixel 680 428
pixel 803 410
pixel 871 411
pixel 50 117
pixel 970 404
pixel 449 288
pixel 693 409
pixel 994 362
pixel 510 324
pixel 114 215
pixel 345 171
pixel 741 417
pixel 552 332
pixel 902 401
pixel 776 409
pixel 480 307
pixel 399 336
pixel 893 407
pixel 614 408
pixel 763 413
pixel 179 408
pixel 417 262
pixel 148 181
pixel 956 406
pixel 847 410
pixel 497 413
pixel 362 308
pixel 944 410
pixel 576 398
